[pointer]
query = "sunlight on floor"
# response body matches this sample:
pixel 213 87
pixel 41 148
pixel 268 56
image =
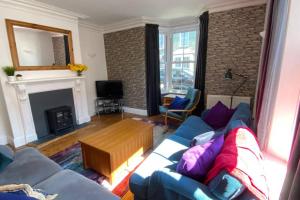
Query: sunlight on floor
pixel 275 171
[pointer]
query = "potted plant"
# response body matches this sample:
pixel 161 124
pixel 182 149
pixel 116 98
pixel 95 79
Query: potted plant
pixel 10 72
pixel 19 77
pixel 79 68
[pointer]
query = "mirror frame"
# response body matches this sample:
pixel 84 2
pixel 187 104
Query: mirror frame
pixel 13 47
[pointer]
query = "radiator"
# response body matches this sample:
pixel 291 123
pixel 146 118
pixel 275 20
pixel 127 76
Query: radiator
pixel 225 99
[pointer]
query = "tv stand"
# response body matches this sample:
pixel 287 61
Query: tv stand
pixel 107 106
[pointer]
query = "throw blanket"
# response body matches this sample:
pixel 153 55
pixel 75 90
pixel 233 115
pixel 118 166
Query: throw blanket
pixel 242 158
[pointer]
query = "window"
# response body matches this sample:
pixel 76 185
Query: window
pixel 177 63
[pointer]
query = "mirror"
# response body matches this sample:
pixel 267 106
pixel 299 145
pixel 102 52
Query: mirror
pixel 37 47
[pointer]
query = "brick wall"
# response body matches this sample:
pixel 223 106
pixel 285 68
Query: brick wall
pixel 125 58
pixel 234 42
pixel 59 51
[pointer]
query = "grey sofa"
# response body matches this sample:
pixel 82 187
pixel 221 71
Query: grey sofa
pixel 29 166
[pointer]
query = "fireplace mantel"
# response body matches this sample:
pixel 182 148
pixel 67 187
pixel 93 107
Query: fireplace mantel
pixel 45 80
pixel 20 112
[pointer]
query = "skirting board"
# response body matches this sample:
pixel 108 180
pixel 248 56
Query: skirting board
pixel 135 111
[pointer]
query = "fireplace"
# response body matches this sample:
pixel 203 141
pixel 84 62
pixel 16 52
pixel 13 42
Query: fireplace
pixel 60 119
pixel 21 109
pixel 53 112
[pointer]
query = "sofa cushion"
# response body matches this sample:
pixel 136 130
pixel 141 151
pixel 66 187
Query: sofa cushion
pixel 179 103
pixel 69 186
pixel 172 148
pixel 192 127
pixel 29 167
pixel 242 112
pixel 7 151
pixel 224 186
pixel 139 180
pixel 196 161
pixel 218 116
pixel 4 162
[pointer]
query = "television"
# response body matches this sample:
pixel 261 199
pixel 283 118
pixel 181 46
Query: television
pixel 109 89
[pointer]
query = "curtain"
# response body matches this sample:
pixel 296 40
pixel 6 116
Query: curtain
pixel 67 51
pixel 201 60
pixel 265 56
pixel 291 186
pixel 152 69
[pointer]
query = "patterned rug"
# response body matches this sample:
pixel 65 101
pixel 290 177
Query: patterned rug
pixel 71 158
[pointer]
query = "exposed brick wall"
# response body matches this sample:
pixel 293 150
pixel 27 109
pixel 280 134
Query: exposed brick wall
pixel 125 58
pixel 59 51
pixel 234 42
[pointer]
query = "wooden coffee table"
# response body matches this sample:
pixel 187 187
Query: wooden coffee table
pixel 109 150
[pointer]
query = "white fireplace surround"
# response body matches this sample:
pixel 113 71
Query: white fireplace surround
pixel 19 109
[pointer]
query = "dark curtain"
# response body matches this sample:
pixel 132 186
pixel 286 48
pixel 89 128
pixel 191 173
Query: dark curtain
pixel 265 55
pixel 152 69
pixel 67 51
pixel 291 186
pixel 201 60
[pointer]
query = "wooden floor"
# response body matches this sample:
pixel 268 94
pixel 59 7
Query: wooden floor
pixel 58 144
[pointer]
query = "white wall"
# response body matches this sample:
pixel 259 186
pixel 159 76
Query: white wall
pixel 38 17
pixel 286 96
pixel 35 48
pixel 93 55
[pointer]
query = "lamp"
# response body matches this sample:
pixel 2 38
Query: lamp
pixel 229 76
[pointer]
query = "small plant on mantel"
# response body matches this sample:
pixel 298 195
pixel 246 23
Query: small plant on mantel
pixel 79 68
pixel 10 72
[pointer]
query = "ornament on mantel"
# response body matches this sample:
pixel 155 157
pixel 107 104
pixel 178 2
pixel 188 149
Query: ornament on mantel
pixel 79 68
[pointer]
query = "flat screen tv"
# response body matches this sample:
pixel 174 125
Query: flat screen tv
pixel 109 89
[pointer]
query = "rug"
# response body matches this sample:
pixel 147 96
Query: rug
pixel 71 158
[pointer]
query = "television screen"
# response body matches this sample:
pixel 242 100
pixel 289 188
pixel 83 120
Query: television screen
pixel 109 89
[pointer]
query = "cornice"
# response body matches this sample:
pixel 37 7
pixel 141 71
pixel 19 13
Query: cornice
pixel 234 5
pixel 192 20
pixel 42 7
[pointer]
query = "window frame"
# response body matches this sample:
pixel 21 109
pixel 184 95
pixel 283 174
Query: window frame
pixel 168 32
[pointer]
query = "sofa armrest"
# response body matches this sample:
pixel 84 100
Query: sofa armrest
pixel 168 185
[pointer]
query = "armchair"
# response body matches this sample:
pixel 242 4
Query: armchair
pixel 181 115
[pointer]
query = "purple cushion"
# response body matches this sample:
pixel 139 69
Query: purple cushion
pixel 179 103
pixel 196 161
pixel 218 116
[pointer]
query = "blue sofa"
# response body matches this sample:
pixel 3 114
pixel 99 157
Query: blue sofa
pixel 156 178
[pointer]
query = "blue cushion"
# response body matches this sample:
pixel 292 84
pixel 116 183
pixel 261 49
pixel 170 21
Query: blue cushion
pixel 12 196
pixel 243 113
pixel 4 161
pixel 192 127
pixel 224 186
pixel 191 94
pixel 172 148
pixel 179 103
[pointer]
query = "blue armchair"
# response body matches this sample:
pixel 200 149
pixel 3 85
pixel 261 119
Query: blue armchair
pixel 193 95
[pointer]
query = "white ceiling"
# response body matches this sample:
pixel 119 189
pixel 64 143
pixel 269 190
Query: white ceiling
pixel 104 12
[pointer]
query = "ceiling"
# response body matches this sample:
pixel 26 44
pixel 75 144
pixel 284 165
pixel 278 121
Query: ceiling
pixel 104 12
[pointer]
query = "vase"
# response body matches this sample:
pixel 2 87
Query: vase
pixel 11 78
pixel 79 73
